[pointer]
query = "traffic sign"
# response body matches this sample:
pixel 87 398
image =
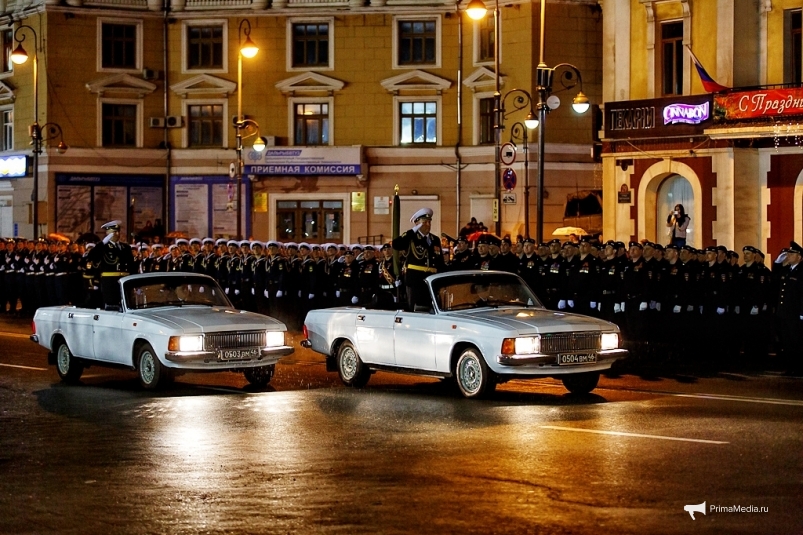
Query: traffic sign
pixel 233 169
pixel 507 153
pixel 509 179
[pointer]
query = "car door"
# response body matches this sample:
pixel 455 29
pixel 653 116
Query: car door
pixel 374 334
pixel 77 326
pixel 414 340
pixel 107 337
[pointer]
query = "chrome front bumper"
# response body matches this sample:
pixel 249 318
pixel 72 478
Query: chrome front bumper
pixel 603 357
pixel 267 355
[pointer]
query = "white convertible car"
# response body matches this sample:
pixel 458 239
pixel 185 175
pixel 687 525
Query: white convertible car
pixel 485 327
pixel 167 324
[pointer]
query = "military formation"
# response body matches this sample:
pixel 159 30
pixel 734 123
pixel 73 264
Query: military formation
pixel 709 305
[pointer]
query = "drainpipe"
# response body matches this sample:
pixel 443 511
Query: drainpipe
pixel 458 158
pixel 165 138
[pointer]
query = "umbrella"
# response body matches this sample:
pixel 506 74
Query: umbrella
pixel 177 234
pixel 566 231
pixel 58 237
pixel 87 237
pixel 474 236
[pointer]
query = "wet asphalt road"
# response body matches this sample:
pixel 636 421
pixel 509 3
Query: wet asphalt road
pixel 405 455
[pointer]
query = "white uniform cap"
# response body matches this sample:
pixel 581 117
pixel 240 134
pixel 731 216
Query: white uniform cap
pixel 195 240
pixel 274 243
pixel 232 243
pixel 112 225
pixel 424 213
pixel 304 244
pixel 291 244
pixel 181 241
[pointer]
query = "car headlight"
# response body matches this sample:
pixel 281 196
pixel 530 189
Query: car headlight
pixel 609 341
pixel 186 343
pixel 527 345
pixel 274 339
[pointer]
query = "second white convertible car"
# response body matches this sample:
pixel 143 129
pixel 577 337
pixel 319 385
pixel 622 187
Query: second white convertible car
pixel 483 328
pixel 166 324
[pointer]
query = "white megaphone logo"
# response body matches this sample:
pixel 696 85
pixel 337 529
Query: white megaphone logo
pixel 699 508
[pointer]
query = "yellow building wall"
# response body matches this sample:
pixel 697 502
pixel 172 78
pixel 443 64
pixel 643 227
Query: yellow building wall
pixel 775 39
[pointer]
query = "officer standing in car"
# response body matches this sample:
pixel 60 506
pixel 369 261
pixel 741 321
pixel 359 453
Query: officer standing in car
pixel 424 257
pixel 112 260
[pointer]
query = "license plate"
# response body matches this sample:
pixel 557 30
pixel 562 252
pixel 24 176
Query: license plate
pixel 234 354
pixel 567 359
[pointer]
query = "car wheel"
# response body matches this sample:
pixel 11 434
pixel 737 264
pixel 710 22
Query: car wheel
pixel 261 376
pixel 351 369
pixel 581 383
pixel 473 377
pixel 68 367
pixel 152 374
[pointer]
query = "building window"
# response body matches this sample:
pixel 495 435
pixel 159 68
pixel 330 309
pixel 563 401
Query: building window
pixel 485 42
pixel 206 125
pixel 672 58
pixel 119 125
pixel 486 121
pixel 311 124
pixel 7 35
pixel 418 122
pixel 417 42
pixel 8 130
pixel 119 46
pixel 205 47
pixel 793 43
pixel 311 44
pixel 312 221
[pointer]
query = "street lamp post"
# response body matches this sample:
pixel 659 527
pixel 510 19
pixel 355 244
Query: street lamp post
pixel 249 50
pixel 50 130
pixel 522 100
pixel 476 10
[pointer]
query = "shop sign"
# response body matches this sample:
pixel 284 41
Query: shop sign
pixel 304 161
pixel 669 116
pixel 625 195
pixel 759 103
pixel 14 166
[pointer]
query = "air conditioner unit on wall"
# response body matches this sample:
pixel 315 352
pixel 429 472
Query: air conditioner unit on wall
pixel 174 121
pixel 156 122
pixel 150 74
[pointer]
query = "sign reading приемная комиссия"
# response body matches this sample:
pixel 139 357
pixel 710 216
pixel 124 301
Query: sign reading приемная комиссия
pixel 304 161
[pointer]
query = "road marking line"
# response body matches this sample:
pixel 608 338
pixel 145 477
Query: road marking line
pixel 23 367
pixel 636 435
pixel 717 397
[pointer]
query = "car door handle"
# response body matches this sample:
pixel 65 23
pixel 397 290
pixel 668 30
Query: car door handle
pixel 398 320
pixel 361 317
pixel 95 317
pixel 70 315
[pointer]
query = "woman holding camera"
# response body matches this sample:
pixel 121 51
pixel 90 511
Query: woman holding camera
pixel 678 222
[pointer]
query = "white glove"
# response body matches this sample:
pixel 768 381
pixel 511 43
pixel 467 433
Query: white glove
pixel 676 309
pixel 764 308
pixel 720 310
pixel 311 296
pixel 801 317
pixel 781 258
pixel 227 291
pixel 266 294
pixel 253 292
pixel 701 309
pixel 599 307
pixel 642 306
pixel 754 311
pixel 561 304
pixel 593 305
pixel 236 292
pixel 94 287
pixel 623 306
pixel 397 283
pixel 570 302
pixel 736 309
pixel 617 308
pixel 355 300
pixel 299 293
pixel 337 293
pixel 658 307
pixel 279 293
pixel 324 294
pixel 652 305
pixel 690 308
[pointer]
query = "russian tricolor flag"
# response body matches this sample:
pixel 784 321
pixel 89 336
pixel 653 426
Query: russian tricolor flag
pixel 708 83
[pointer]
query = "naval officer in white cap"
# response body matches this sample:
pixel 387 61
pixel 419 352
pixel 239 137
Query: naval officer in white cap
pixel 423 258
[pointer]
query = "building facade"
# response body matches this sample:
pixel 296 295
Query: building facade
pixel 733 157
pixel 353 98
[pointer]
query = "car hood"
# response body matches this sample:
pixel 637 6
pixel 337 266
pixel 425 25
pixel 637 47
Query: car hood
pixel 535 320
pixel 210 319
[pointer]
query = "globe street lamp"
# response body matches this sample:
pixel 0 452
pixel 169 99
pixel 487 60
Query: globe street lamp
pixel 39 134
pixel 247 49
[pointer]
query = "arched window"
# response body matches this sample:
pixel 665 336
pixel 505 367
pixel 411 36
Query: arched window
pixel 674 190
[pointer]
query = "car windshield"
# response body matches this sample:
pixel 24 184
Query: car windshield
pixel 173 291
pixel 465 292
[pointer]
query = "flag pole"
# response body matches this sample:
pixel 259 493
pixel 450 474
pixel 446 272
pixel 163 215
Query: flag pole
pixel 395 232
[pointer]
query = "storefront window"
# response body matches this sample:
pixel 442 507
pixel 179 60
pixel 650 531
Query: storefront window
pixel 309 221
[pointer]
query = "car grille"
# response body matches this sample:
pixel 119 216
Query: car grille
pixel 570 342
pixel 233 340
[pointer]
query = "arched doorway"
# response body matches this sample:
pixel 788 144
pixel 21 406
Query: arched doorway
pixel 675 189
